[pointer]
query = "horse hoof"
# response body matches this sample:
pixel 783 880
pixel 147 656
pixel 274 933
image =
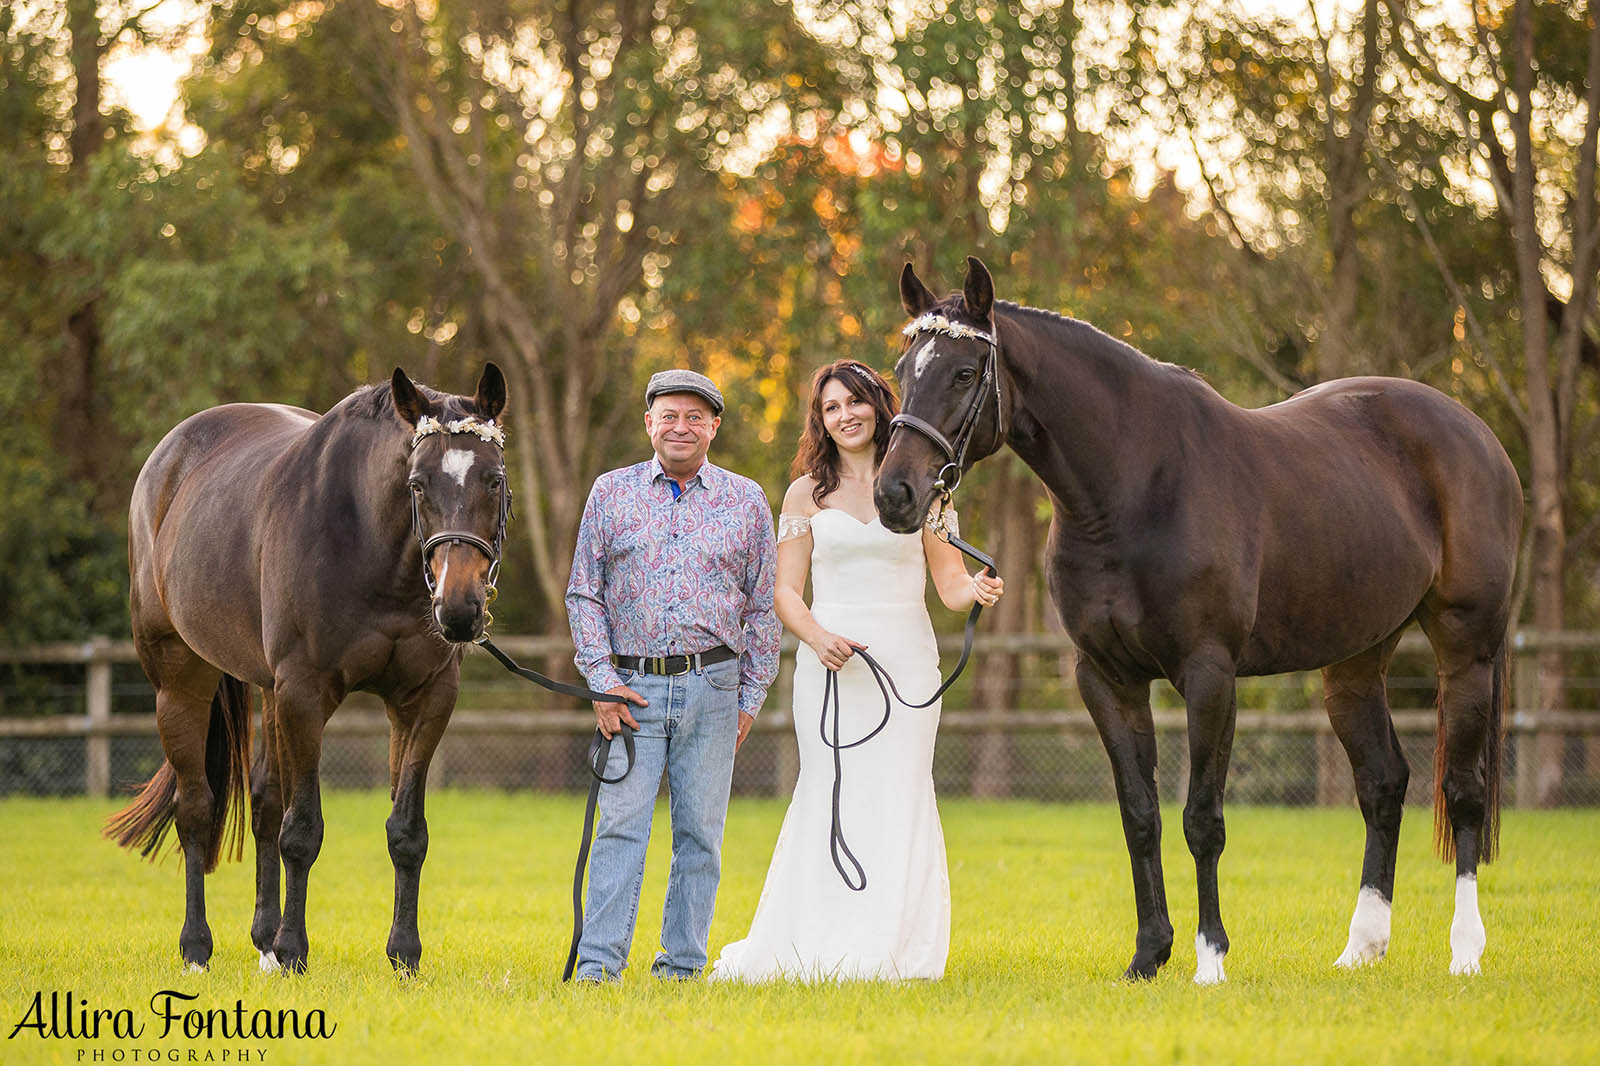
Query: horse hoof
pixel 1140 971
pixel 196 967
pixel 1467 937
pixel 404 953
pixel 269 962
pixel 1369 931
pixel 406 965
pixel 1208 963
pixel 290 962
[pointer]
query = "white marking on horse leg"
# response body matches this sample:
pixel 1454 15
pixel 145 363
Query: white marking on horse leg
pixel 456 463
pixel 1208 962
pixel 1369 930
pixel 269 962
pixel 924 357
pixel 1467 938
pixel 195 967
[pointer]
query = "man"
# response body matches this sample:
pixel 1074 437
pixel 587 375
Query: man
pixel 670 604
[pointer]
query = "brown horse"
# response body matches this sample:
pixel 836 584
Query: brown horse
pixel 1200 542
pixel 311 557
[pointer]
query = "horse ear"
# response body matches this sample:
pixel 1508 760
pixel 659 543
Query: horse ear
pixel 914 295
pixel 491 397
pixel 409 403
pixel 978 290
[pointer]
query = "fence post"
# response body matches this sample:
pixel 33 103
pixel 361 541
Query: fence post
pixel 97 745
pixel 786 767
pixel 1525 704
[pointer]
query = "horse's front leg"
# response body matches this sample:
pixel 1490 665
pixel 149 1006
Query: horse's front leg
pixel 301 711
pixel 1121 713
pixel 1207 685
pixel 266 820
pixel 415 733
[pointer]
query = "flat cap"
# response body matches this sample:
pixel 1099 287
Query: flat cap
pixel 683 381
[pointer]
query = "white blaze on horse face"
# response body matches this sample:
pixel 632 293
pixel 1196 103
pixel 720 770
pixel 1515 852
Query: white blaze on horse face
pixel 456 463
pixel 1369 930
pixel 1467 937
pixel 443 555
pixel 1207 962
pixel 927 355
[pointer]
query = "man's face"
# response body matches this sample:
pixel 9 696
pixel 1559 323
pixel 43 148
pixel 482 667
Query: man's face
pixel 681 428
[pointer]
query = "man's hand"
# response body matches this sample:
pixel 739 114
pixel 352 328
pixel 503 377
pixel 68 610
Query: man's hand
pixel 745 722
pixel 613 716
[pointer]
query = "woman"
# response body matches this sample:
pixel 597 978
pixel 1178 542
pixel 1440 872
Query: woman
pixel 868 592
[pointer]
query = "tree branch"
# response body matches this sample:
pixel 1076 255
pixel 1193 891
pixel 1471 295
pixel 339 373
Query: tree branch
pixel 1479 336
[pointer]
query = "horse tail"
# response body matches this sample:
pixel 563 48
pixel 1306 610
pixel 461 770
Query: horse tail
pixel 1491 763
pixel 144 823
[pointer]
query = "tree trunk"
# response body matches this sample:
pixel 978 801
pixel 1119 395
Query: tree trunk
pixel 83 428
pixel 1545 430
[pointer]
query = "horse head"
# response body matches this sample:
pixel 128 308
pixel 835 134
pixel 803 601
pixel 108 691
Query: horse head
pixel 950 397
pixel 460 501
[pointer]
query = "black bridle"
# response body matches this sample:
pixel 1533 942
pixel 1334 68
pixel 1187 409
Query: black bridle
pixel 491 549
pixel 955 451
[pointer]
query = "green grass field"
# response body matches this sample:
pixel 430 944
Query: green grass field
pixel 1043 923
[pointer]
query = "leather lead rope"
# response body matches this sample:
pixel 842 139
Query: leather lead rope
pixel 599 753
pixel 886 685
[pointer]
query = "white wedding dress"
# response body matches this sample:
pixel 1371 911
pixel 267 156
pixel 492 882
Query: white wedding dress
pixel 868 584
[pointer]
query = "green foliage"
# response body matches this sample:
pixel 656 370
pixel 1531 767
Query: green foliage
pixel 586 194
pixel 62 571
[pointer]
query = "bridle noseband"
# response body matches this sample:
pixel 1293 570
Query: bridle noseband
pixel 494 434
pixel 955 452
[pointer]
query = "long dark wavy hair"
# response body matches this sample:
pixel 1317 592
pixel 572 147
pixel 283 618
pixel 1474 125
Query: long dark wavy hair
pixel 818 455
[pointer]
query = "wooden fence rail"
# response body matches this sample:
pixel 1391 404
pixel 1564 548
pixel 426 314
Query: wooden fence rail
pixel 97 725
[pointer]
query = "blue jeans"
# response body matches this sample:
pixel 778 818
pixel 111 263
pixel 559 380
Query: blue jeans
pixel 688 731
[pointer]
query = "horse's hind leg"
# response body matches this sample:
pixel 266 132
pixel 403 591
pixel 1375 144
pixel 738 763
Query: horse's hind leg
pixel 185 684
pixel 1471 663
pixel 1207 685
pixel 1121 713
pixel 1358 708
pixel 266 807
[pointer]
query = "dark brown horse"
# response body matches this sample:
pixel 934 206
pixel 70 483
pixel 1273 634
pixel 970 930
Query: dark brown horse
pixel 311 557
pixel 1199 542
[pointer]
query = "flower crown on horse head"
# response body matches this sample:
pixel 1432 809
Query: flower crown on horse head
pixel 428 425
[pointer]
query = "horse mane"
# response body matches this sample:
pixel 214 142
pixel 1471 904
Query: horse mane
pixel 1080 336
pixel 376 402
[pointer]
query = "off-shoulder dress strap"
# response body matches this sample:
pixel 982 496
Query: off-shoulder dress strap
pixel 792 525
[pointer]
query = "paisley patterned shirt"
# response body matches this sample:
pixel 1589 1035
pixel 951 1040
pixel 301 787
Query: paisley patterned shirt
pixel 657 575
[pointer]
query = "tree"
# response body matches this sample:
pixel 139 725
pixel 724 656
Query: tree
pixel 1527 128
pixel 559 147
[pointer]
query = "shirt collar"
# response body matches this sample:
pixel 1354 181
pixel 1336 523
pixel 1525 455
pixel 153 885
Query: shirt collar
pixel 709 476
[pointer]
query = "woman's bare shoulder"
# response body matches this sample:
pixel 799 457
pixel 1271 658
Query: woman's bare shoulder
pixel 798 498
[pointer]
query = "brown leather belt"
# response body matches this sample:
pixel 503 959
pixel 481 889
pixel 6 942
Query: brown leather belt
pixel 673 665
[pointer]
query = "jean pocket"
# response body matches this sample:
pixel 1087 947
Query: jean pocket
pixel 723 676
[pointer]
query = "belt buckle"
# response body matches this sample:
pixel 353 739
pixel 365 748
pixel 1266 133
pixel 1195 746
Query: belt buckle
pixel 688 664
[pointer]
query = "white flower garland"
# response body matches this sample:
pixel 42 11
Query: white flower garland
pixel 937 323
pixel 428 425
